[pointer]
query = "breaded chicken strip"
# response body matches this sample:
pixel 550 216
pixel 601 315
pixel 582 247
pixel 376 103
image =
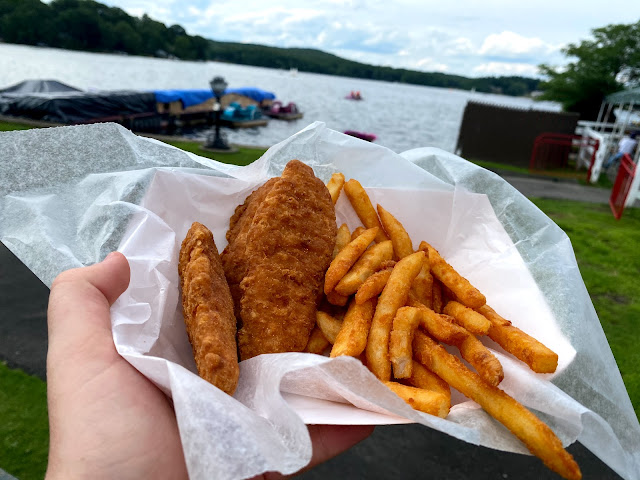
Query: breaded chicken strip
pixel 288 249
pixel 208 309
pixel 233 257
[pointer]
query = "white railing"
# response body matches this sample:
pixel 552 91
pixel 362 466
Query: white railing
pixel 595 126
pixel 586 151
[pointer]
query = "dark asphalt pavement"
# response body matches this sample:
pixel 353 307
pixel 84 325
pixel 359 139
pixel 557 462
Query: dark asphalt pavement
pixel 558 189
pixel 404 451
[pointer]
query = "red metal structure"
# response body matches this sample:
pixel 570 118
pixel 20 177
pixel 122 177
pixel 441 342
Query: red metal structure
pixel 622 185
pixel 551 150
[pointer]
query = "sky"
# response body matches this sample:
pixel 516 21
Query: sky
pixel 464 37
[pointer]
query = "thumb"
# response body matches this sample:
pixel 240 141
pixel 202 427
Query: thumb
pixel 110 277
pixel 80 299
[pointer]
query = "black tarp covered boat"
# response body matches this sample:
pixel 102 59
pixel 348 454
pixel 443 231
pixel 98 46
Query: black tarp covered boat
pixel 56 102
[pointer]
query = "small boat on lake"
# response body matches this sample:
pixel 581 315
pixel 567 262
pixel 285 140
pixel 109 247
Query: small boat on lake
pixel 57 103
pixel 354 95
pixel 282 112
pixel 237 116
pixel 369 137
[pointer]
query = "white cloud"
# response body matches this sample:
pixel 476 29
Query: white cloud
pixel 466 38
pixel 135 12
pixel 161 11
pixel 510 44
pixel 429 64
pixel 505 68
pixel 276 17
pixel 459 46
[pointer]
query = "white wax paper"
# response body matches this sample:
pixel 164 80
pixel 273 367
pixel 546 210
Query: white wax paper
pixel 70 195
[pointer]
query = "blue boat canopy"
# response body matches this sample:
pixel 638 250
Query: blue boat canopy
pixel 254 93
pixel 187 97
pixel 197 96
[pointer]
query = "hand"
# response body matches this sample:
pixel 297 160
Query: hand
pixel 106 419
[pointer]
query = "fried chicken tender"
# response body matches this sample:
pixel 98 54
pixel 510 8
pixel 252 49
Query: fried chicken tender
pixel 288 249
pixel 234 261
pixel 208 309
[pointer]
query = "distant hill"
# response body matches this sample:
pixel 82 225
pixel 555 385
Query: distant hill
pixel 91 26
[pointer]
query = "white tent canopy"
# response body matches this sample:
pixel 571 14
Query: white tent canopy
pixel 624 96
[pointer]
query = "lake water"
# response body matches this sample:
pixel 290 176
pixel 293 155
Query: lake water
pixel 402 116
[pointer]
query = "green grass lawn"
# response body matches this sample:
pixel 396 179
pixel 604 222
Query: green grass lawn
pixel 607 253
pixel 24 427
pixel 8 126
pixel 579 175
pixel 502 167
pixel 608 257
pixel 244 155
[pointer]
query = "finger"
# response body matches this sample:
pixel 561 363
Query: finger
pixel 110 277
pixel 79 302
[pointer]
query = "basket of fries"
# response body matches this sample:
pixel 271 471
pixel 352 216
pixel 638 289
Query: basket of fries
pixel 447 299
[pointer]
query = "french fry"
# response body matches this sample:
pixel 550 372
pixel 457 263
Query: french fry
pixel 366 265
pixel 404 325
pixel 443 328
pixel 436 296
pixel 535 434
pixel 540 358
pixel 357 232
pixel 329 325
pixel 447 296
pixel 422 377
pixel 343 237
pixel 391 299
pixel 402 245
pixel 346 258
pixel 426 401
pixel 373 286
pixel 317 342
pixel 352 337
pixel 473 321
pixel 364 209
pixel 334 298
pixel 387 264
pixel 466 293
pixel 334 185
pixel 481 358
pixel 422 286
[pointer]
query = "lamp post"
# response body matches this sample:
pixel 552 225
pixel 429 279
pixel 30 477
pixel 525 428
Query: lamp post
pixel 218 86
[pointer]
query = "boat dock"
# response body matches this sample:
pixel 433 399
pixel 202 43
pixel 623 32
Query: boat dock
pixel 49 103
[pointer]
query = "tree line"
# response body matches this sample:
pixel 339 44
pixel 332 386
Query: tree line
pixel 91 26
